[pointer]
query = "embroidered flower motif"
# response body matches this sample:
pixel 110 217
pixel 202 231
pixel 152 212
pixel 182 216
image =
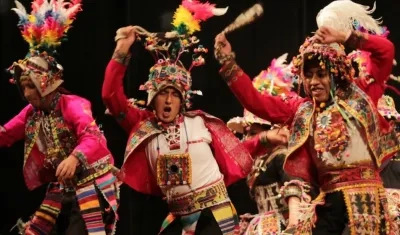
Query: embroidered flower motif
pixel 324 120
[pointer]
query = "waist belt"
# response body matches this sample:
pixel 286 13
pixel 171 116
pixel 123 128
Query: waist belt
pixel 340 179
pixel 208 196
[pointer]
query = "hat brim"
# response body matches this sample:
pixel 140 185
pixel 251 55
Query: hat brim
pixel 153 93
pixel 236 125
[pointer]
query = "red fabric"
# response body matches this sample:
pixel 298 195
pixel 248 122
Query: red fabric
pixel 254 146
pixel 276 110
pixel 136 171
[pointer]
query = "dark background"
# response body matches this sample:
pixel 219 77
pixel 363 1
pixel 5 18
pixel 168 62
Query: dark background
pixel 85 55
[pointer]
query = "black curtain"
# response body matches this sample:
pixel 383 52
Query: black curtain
pixel 85 55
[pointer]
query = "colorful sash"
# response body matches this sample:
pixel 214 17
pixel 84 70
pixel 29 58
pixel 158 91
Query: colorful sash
pixel 188 208
pixel 44 219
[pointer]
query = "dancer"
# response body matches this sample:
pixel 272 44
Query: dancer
pixel 267 175
pixel 63 145
pixel 337 137
pixel 190 156
pixel 390 173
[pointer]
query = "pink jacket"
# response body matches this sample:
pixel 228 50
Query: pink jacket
pixel 74 132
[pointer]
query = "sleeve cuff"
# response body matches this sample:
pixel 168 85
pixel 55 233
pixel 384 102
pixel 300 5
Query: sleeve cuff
pixel 295 188
pixel 230 72
pixel 122 58
pixel 81 157
pixel 264 140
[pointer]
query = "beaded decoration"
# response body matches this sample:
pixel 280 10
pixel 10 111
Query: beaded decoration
pixel 387 108
pixel 174 169
pixel 168 48
pixel 43 29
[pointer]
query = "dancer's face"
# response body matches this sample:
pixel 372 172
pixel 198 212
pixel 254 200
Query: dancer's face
pixel 30 93
pixel 167 104
pixel 316 81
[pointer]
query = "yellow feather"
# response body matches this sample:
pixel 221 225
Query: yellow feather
pixel 32 19
pixel 183 16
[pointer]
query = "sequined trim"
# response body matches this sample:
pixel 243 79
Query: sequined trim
pixel 367 209
pixel 122 58
pixel 200 199
pixel 230 72
pixel 174 169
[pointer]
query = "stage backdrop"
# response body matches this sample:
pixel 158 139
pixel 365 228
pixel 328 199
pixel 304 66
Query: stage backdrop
pixel 85 55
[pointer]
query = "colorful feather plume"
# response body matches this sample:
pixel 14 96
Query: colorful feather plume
pixel 190 13
pixel 277 79
pixel 47 24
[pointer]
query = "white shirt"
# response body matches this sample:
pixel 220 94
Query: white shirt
pixel 205 169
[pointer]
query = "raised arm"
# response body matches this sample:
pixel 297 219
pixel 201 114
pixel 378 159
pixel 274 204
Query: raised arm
pixel 113 93
pixel 265 141
pixel 382 55
pixel 268 107
pixel 14 129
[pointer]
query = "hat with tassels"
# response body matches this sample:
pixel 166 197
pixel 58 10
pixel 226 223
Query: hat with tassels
pixel 44 29
pixel 169 48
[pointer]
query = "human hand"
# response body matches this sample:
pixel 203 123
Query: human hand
pixel 2 129
pixel 326 35
pixel 222 44
pixel 222 49
pixel 66 169
pixel 125 37
pixel 278 136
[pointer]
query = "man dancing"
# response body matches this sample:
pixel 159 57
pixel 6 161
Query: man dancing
pixel 190 157
pixel 63 145
pixel 338 139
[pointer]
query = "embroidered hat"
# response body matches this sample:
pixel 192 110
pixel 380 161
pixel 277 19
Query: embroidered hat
pixel 44 29
pixel 347 16
pixel 276 80
pixel 387 108
pixel 168 48
pixel 332 57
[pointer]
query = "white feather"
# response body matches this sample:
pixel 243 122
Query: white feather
pixel 281 60
pixel 219 11
pixel 20 7
pixel 341 13
pixel 20 10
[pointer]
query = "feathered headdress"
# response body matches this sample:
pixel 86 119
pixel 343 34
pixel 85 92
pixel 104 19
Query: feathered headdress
pixel 167 49
pixel 276 80
pixel 346 16
pixel 43 29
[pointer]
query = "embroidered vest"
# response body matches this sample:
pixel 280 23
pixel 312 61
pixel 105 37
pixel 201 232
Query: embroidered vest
pixel 63 141
pixel 356 103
